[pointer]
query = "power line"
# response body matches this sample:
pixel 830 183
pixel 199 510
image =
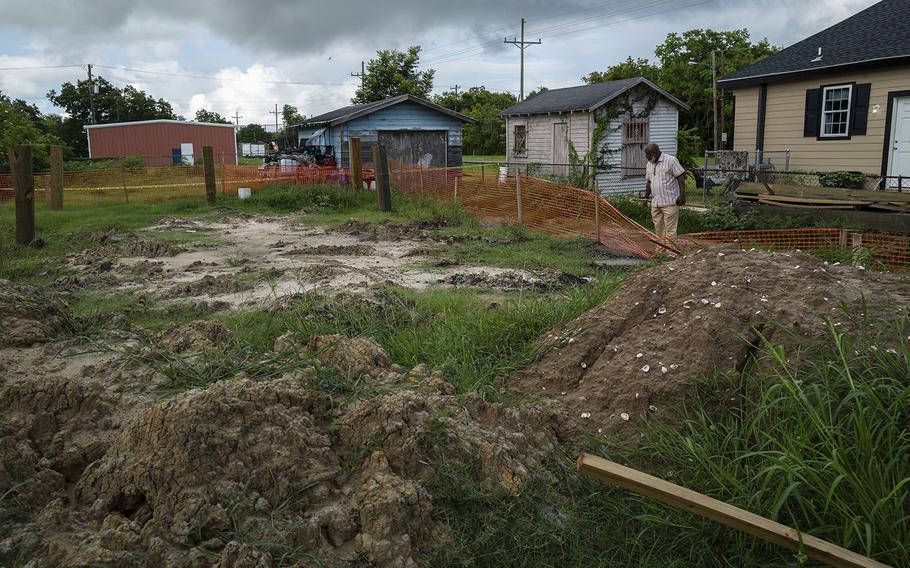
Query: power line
pixel 40 67
pixel 209 78
pixel 362 74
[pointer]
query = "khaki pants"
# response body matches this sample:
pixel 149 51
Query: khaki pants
pixel 665 220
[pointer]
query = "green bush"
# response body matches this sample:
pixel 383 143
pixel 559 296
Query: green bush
pixel 309 198
pixel 851 180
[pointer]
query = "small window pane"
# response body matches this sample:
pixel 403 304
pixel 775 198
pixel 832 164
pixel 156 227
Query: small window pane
pixel 836 111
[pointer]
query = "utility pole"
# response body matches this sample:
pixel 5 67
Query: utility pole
pixel 362 74
pixel 276 113
pixel 723 99
pixel 522 45
pixel 455 88
pixel 237 117
pixel 91 95
pixel 714 97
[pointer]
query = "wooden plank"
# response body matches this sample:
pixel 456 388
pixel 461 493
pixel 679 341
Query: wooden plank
pixel 753 188
pixel 740 519
pixel 803 205
pixel 20 164
pixel 56 178
pixel 208 168
pixel 812 200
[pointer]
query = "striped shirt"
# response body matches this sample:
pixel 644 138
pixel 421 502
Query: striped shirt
pixel 662 175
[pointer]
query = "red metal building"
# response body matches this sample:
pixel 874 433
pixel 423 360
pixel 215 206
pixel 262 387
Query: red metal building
pixel 162 142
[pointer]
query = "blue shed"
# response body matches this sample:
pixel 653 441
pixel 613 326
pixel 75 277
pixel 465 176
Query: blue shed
pixel 412 129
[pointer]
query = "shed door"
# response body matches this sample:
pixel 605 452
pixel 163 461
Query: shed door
pixel 424 147
pixel 560 149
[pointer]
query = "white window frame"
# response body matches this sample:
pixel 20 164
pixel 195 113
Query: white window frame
pixel 632 155
pixel 824 113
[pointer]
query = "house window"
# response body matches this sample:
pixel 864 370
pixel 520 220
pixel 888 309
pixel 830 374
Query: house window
pixel 634 138
pixel 836 110
pixel 520 140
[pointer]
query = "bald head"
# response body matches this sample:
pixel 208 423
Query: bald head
pixel 652 152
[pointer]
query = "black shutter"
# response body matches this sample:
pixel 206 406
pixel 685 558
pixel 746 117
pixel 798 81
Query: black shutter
pixel 813 109
pixel 860 108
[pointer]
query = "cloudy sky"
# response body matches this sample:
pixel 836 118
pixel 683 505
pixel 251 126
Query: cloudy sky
pixel 247 56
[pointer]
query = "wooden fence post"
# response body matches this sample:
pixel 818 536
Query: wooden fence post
pixel 381 172
pixel 596 193
pixel 126 194
pixel 356 163
pixel 56 177
pixel 208 168
pixel 20 164
pixel 521 209
pixel 455 199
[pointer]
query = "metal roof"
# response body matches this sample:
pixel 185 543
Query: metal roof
pixel 876 36
pixel 583 97
pixel 348 113
pixel 158 121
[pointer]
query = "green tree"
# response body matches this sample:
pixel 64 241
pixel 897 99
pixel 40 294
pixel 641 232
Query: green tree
pixel 21 123
pixel 290 116
pixel 537 91
pixel 251 133
pixel 203 115
pixel 111 105
pixel 685 61
pixel 488 136
pixel 625 70
pixel 394 73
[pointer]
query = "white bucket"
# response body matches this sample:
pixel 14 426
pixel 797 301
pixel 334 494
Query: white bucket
pixel 244 193
pixel 503 173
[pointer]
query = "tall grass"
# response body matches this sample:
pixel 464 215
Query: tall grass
pixel 817 438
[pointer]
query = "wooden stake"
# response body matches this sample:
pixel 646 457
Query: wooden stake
pixel 208 168
pixel 456 190
pixel 688 500
pixel 126 194
pixel 356 163
pixel 20 164
pixel 521 209
pixel 56 178
pixel 597 211
pixel 381 173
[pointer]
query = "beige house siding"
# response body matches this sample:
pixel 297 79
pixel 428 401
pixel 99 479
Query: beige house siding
pixel 784 122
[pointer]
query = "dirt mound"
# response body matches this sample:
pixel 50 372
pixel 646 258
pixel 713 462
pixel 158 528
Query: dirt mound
pixel 30 315
pixel 147 248
pixel 640 352
pixel 197 336
pixel 278 464
pixel 356 357
pixel 208 285
pixel 333 250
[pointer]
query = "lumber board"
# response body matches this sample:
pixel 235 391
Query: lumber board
pixel 812 200
pixel 754 188
pixel 694 502
pixel 801 205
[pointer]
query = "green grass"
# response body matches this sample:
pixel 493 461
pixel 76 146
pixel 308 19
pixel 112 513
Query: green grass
pixel 817 440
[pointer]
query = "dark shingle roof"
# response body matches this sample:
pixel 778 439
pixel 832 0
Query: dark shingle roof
pixel 879 34
pixel 350 112
pixel 582 98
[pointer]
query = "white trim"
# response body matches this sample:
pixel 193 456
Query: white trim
pixel 794 71
pixel 158 121
pixel 821 127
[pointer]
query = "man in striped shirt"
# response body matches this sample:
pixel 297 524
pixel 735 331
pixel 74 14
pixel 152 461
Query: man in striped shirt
pixel 665 179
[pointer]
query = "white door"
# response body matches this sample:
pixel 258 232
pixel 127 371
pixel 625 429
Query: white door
pixel 186 153
pixel 899 160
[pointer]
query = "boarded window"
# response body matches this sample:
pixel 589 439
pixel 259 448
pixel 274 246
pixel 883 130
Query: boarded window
pixel 634 138
pixel 520 137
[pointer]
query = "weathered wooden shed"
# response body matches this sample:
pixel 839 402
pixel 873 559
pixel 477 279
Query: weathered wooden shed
pixel 541 129
pixel 413 130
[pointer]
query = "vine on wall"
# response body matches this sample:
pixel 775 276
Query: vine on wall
pixel 583 169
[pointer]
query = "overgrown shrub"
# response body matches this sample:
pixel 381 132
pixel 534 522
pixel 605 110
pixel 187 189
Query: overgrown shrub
pixel 850 180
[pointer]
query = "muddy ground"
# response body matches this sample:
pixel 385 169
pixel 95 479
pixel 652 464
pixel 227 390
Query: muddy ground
pixel 322 452
pixel 250 261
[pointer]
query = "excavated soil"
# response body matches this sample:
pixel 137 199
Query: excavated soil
pixel 639 353
pixel 29 315
pixel 99 470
